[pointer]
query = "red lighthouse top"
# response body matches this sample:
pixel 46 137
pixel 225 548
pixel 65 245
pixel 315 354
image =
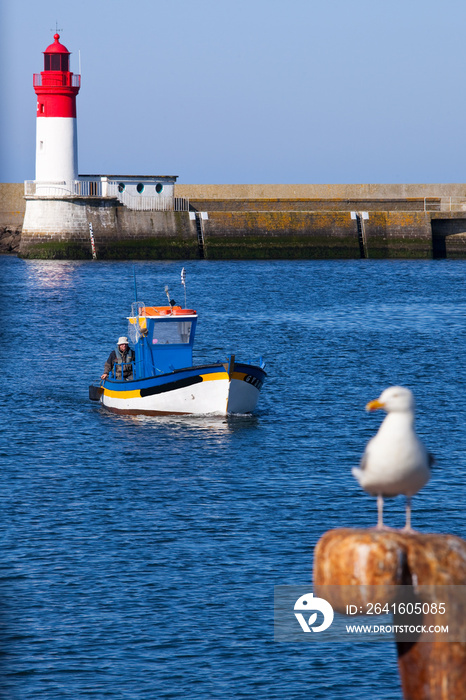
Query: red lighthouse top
pixel 56 56
pixel 56 87
pixel 56 47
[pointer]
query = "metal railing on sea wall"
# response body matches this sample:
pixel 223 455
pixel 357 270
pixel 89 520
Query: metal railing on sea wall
pixel 105 189
pixel 148 203
pixel 142 202
pixel 444 204
pixel 48 189
pixel 73 188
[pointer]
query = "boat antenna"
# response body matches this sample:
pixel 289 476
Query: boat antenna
pixel 183 282
pixel 171 302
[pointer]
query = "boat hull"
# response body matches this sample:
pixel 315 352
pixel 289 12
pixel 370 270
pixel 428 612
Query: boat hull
pixel 191 391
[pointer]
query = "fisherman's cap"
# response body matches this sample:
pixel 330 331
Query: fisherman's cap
pixel 123 340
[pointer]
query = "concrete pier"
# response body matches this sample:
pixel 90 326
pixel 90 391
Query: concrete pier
pixel 245 222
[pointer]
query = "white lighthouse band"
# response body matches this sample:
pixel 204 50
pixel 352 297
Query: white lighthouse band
pixel 56 150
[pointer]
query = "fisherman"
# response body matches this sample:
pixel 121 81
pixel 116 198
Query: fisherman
pixel 121 356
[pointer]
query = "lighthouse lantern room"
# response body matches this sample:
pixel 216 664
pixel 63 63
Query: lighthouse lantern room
pixel 56 132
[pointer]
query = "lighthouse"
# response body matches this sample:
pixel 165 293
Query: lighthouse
pixel 56 131
pixel 63 207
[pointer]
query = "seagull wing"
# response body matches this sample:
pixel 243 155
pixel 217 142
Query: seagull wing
pixel 365 456
pixel 358 472
pixel 363 462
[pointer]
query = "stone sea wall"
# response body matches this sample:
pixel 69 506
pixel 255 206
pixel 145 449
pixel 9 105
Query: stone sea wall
pixel 358 192
pixel 60 230
pixel 317 234
pixel 244 222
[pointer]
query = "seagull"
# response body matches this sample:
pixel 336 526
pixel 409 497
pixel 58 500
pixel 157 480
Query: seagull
pixel 395 462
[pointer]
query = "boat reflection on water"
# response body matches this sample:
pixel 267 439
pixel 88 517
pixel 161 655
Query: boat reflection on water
pixel 220 425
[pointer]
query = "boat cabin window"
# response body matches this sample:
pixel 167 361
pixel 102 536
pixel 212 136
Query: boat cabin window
pixel 171 333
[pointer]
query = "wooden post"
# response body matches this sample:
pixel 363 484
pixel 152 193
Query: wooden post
pixel 429 670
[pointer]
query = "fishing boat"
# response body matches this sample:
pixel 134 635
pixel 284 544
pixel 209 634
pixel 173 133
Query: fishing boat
pixel 163 379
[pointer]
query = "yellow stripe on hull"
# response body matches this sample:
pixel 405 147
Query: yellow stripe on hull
pixel 136 393
pixel 214 376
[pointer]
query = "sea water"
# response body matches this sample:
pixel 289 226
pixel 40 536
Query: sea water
pixel 139 554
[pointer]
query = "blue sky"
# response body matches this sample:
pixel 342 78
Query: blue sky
pixel 255 91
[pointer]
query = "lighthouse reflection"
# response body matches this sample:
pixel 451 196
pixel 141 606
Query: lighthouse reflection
pixel 52 274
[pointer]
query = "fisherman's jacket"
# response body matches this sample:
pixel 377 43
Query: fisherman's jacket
pixel 117 359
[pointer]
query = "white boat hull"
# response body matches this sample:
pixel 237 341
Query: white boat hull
pixel 209 390
pixel 211 397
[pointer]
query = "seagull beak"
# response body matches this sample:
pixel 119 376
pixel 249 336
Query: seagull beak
pixel 374 405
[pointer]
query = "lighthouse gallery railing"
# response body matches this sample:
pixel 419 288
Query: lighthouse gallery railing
pixel 57 78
